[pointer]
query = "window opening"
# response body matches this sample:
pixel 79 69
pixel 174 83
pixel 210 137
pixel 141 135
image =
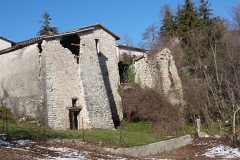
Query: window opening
pixel 97 45
pixel 74 102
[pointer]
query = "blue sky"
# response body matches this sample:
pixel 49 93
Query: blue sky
pixel 19 19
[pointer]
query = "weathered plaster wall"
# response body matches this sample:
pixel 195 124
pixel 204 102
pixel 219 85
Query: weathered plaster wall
pixel 20 88
pixel 160 74
pixel 4 44
pixel 62 83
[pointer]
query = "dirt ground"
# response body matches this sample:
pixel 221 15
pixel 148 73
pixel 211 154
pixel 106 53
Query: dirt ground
pixel 25 150
pixel 197 150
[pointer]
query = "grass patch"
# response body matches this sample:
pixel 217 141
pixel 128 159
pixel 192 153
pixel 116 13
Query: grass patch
pixel 129 134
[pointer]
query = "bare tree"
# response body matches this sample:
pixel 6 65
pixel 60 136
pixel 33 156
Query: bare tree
pixel 234 12
pixel 150 36
pixel 127 39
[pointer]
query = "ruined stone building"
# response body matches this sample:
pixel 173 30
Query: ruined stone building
pixel 69 80
pixel 161 74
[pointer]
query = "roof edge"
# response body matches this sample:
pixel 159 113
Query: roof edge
pixel 107 30
pixel 131 47
pixel 38 39
pixel 5 39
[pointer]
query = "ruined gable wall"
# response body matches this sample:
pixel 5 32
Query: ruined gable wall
pixel 62 83
pixel 92 65
pixel 20 84
pixel 94 81
pixel 109 66
pixel 160 74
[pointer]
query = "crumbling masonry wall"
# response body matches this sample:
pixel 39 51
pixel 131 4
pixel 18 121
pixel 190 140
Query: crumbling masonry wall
pixel 62 83
pixel 160 74
pixel 92 79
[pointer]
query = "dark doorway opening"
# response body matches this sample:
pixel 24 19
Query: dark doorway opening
pixel 73 114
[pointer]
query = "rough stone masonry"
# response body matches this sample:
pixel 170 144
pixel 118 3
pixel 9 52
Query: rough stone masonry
pixel 68 81
pixel 160 74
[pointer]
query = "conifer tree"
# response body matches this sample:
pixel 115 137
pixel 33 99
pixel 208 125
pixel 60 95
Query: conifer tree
pixel 187 18
pixel 203 10
pixel 168 25
pixel 46 29
pixel 205 27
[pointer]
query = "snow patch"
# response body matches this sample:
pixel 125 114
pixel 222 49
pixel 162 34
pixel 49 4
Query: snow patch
pixel 223 152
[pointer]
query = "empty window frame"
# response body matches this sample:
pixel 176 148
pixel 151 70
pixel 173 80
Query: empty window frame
pixel 97 45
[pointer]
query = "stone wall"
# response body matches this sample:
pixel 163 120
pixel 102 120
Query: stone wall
pixel 20 84
pixel 62 83
pixel 160 74
pixel 154 148
pixel 93 81
pixel 109 66
pixel 99 74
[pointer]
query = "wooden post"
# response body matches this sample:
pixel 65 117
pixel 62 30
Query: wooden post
pixel 44 127
pixel 82 129
pixel 141 132
pixel 120 135
pixel 6 123
pixel 2 121
pixel 157 134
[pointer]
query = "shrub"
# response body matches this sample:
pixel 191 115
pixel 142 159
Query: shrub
pixel 148 104
pixel 5 113
pixel 129 75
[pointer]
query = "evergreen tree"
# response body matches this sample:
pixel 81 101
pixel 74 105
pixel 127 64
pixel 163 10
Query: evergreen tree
pixel 46 29
pixel 168 25
pixel 206 27
pixel 203 10
pixel 187 18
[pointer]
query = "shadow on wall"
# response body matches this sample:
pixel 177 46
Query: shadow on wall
pixel 103 65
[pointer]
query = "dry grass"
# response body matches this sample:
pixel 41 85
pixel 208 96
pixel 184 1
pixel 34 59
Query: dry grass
pixel 148 104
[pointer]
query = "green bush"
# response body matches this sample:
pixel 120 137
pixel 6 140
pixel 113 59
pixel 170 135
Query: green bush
pixel 127 61
pixel 129 75
pixel 120 90
pixel 5 113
